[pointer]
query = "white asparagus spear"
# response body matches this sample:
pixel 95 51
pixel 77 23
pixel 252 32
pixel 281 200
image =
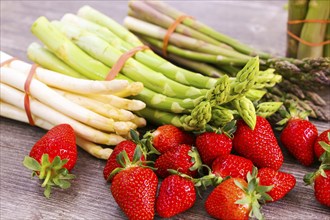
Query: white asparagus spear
pixel 61 81
pixel 49 97
pixel 12 112
pixel 16 98
pixel 95 150
pixel 98 107
pixel 132 89
pixel 129 104
pixel 140 122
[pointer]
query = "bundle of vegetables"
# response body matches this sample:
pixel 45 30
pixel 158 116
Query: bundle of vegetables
pixel 97 110
pixel 91 43
pixel 197 46
pixel 308 29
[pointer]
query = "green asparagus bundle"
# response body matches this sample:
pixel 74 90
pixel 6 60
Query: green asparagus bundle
pixel 193 44
pixel 91 43
pixel 309 21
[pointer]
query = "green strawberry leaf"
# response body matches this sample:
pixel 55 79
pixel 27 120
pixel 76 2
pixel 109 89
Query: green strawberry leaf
pixel 137 154
pixel 47 191
pixel 244 201
pixel 325 146
pixel 266 196
pixel 31 164
pixel 252 185
pixel 134 136
pixel 263 189
pixel 255 212
pixel 240 185
pixel 56 162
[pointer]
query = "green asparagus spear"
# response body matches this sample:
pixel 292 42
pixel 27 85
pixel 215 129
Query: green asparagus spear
pixel 48 60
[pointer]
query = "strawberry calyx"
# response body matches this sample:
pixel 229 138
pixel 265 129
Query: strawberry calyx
pixel 325 157
pixel 195 159
pixel 147 142
pixel 255 194
pixel 125 163
pixel 309 178
pixel 146 146
pixel 228 129
pixel 52 173
pixel 292 113
pixel 204 181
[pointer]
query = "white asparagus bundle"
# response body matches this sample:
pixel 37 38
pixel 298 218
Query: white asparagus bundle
pixel 97 110
pixel 49 97
pixel 12 112
pixel 16 98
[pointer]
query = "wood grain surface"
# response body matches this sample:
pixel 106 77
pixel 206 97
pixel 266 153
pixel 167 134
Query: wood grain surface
pixel 261 24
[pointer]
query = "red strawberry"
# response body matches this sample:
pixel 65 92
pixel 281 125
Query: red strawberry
pixel 282 182
pixel 322 188
pixel 56 149
pixel 211 145
pixel 167 137
pixel 134 187
pixel 176 195
pixel 183 158
pixel 258 145
pixel 298 137
pixel 128 146
pixel 233 199
pixel 232 165
pixel 323 137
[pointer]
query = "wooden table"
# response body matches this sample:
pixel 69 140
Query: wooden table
pixel 261 24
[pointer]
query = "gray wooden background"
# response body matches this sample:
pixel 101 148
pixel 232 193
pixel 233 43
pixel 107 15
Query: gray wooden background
pixel 261 24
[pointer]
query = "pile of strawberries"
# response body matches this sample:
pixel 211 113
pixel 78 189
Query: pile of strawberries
pixel 220 158
pixel 225 159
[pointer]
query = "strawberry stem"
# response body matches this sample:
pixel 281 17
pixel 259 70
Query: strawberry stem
pixel 49 174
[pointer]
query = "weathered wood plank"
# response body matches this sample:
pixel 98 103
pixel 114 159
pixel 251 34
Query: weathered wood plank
pixel 259 23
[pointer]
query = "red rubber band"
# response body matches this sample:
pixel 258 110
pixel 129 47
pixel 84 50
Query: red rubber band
pixel 27 93
pixel 170 30
pixel 122 60
pixel 311 44
pixel 4 63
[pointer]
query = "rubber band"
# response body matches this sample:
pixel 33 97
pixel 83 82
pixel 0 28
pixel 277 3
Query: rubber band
pixel 27 93
pixel 311 44
pixel 309 21
pixel 122 60
pixel 170 30
pixel 4 63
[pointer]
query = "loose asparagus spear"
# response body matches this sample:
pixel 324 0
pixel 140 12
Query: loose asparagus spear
pixel 307 73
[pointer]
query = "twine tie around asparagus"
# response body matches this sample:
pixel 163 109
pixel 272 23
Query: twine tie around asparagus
pixel 26 88
pixel 170 30
pixel 311 44
pixel 27 93
pixel 121 61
